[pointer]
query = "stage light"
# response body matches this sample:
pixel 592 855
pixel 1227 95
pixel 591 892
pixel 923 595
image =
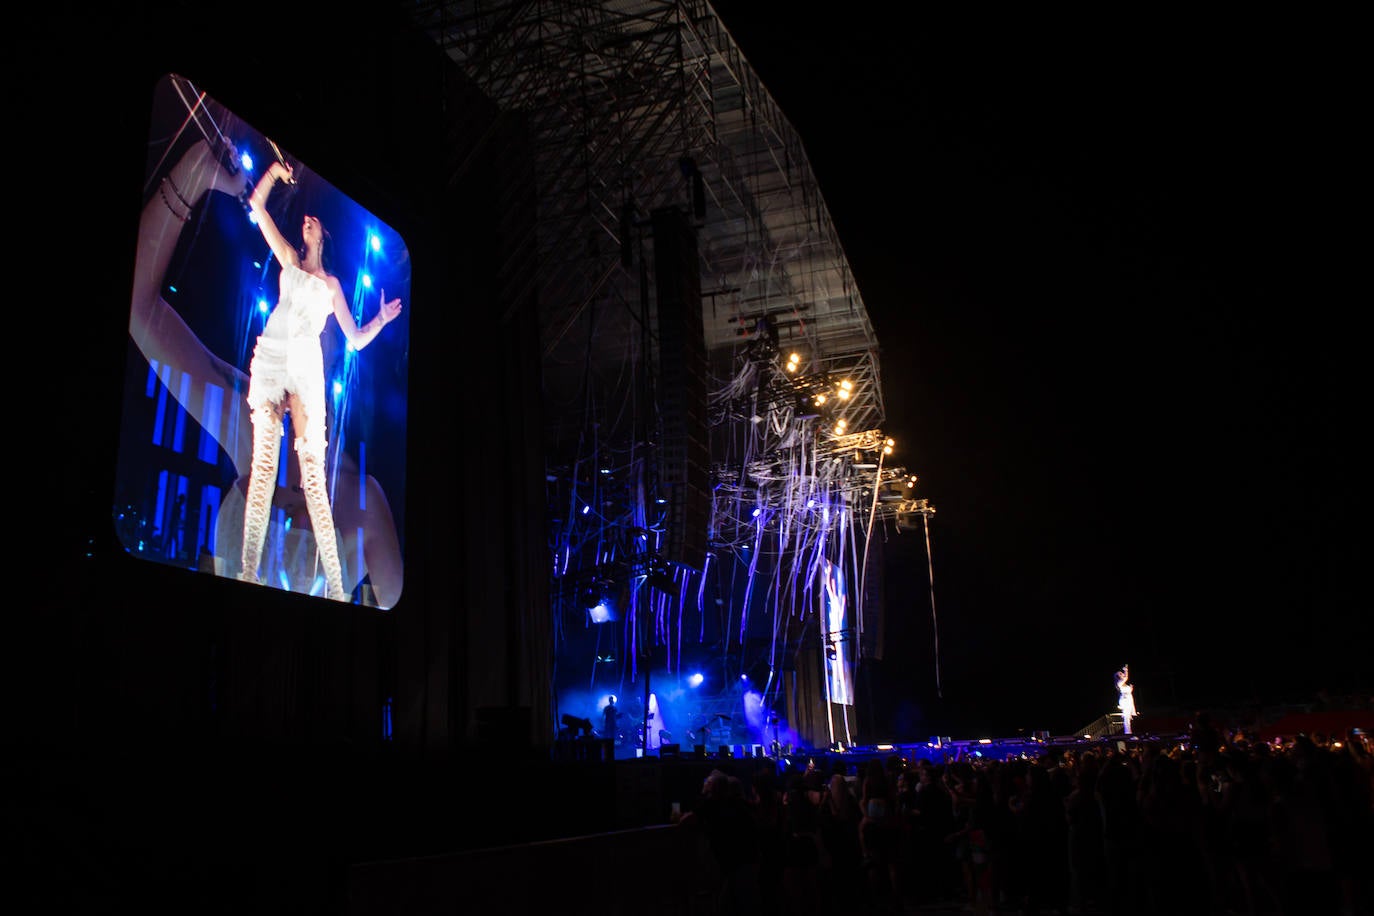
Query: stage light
pixel 695 680
pixel 810 504
pixel 820 399
pixel 600 612
pixel 375 241
pixel 338 388
pixel 367 281
pixel 605 470
pixel 744 677
pixel 586 509
pixel 757 512
pixel 247 162
pixel 263 306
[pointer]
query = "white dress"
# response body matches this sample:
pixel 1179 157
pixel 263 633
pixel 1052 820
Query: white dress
pixel 288 356
pixel 1126 700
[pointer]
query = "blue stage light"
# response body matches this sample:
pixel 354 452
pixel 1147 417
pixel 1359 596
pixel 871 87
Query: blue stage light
pixel 247 162
pixel 263 306
pixel 375 241
pixel 695 680
pixel 367 281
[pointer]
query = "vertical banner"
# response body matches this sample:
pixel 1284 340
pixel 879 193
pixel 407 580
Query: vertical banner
pixel 836 641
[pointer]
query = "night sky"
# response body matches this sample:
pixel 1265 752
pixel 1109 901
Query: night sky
pixel 1099 256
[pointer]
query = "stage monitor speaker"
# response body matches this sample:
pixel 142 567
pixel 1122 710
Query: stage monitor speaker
pixel 723 751
pixel 758 750
pixel 670 750
pixel 738 750
pixel 699 751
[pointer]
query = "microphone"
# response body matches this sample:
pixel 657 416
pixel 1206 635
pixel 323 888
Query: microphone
pixel 281 157
pixel 276 150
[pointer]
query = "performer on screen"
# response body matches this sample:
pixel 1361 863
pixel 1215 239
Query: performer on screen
pixel 286 377
pixel 163 337
pixel 1125 697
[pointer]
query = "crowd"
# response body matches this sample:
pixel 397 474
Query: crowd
pixel 1210 823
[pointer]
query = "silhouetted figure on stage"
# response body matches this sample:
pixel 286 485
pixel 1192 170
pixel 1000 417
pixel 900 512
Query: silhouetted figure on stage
pixel 610 718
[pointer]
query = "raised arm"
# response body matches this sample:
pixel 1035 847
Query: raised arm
pixel 360 337
pixel 257 203
pixel 159 331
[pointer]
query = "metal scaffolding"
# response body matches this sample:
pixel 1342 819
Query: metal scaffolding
pixel 632 107
pixel 627 101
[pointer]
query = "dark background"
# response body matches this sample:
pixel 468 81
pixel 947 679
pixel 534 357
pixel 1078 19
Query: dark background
pixel 1099 253
pixel 1100 257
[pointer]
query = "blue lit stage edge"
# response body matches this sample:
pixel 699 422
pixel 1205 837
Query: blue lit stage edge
pixel 942 751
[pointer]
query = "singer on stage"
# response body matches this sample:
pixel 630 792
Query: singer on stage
pixel 1125 697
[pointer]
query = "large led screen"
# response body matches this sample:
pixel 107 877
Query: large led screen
pixel 265 397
